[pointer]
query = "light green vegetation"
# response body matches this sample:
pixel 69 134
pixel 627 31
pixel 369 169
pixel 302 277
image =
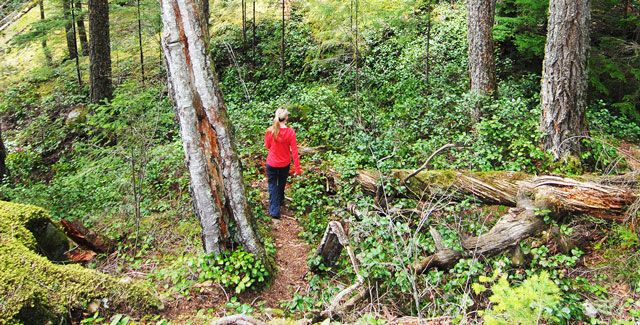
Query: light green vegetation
pixel 83 169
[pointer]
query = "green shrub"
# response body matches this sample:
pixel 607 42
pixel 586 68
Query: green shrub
pixel 238 269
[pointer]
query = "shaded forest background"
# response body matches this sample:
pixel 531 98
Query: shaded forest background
pixel 377 85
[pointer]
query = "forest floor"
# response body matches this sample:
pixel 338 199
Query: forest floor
pixel 291 263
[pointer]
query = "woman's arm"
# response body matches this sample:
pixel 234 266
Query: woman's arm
pixel 294 152
pixel 268 140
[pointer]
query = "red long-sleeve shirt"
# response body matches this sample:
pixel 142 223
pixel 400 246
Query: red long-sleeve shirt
pixel 281 150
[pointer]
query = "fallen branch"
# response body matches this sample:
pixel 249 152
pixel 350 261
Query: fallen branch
pixel 426 163
pixel 86 237
pixel 512 228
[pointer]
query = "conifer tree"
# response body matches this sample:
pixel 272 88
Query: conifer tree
pixel 564 77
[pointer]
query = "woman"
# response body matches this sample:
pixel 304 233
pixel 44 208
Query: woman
pixel 281 142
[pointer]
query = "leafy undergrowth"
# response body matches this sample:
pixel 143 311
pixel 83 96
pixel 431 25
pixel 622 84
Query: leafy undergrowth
pixel 101 163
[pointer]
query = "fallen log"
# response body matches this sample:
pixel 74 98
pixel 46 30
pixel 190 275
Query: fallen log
pixel 87 238
pixel 12 18
pixel 239 319
pixel 585 194
pixel 560 196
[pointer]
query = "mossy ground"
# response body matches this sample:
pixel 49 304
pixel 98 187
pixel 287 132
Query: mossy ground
pixel 35 290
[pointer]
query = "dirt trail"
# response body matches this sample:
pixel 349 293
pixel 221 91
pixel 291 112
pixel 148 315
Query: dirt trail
pixel 291 255
pixel 291 260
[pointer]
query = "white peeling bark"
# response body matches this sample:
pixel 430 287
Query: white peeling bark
pixel 217 184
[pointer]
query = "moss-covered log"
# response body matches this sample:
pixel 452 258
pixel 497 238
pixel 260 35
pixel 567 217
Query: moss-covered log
pixel 561 196
pixel 33 290
pixel 583 194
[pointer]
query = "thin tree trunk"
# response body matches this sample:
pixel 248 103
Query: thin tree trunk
pixel 253 38
pixel 244 25
pixel 356 60
pixel 45 49
pixel 99 51
pixel 482 71
pixel 140 42
pixel 3 155
pixel 82 31
pixel 68 29
pixel 77 59
pixel 564 77
pixel 216 183
pixel 282 46
pixel 427 67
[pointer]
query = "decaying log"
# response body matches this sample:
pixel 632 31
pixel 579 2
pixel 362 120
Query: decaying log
pixel 512 228
pixel 330 246
pixel 12 18
pixel 333 241
pixel 560 196
pixel 577 195
pixel 86 237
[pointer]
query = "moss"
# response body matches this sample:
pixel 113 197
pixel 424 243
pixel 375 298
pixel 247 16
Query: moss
pixel 571 164
pixel 35 291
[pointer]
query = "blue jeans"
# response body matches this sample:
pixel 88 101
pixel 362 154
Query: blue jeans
pixel 277 179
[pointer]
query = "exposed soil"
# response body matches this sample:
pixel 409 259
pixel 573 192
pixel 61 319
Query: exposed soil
pixel 291 261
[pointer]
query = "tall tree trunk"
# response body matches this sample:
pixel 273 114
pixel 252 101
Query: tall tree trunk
pixel 253 38
pixel 77 59
pixel 244 25
pixel 68 29
pixel 140 42
pixel 282 45
pixel 3 155
pixel 45 49
pixel 216 182
pixel 99 51
pixel 564 77
pixel 82 31
pixel 482 70
pixel 427 67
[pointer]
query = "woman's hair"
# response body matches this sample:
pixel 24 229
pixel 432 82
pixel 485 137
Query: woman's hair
pixel 281 116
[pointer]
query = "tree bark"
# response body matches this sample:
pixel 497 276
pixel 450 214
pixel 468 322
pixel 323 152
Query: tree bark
pixel 482 70
pixel 509 230
pixel 586 194
pixel 82 32
pixel 99 51
pixel 530 195
pixel 564 77
pixel 3 155
pixel 46 51
pixel 217 185
pixel 68 30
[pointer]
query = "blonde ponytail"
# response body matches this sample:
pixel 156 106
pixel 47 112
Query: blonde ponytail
pixel 280 116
